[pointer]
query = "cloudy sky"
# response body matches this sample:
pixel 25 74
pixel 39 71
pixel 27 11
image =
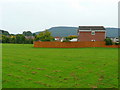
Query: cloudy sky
pixel 17 16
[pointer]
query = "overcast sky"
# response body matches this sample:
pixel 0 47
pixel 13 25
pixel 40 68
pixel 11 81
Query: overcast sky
pixel 17 16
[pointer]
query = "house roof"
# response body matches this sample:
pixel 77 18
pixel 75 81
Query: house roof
pixel 91 28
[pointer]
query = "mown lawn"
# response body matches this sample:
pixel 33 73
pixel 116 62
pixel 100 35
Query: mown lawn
pixel 27 67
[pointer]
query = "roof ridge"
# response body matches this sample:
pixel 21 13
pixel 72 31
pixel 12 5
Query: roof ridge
pixel 91 28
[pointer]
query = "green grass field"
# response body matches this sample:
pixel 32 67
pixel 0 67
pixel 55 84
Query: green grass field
pixel 27 67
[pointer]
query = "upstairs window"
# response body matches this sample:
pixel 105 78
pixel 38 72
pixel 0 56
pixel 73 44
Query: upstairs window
pixel 93 33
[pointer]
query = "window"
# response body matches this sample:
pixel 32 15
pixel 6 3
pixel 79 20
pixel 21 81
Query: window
pixel 93 33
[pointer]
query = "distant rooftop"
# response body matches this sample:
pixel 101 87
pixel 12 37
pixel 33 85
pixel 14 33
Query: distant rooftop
pixel 91 28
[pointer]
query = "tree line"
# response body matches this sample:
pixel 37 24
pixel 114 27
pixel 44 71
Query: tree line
pixel 26 37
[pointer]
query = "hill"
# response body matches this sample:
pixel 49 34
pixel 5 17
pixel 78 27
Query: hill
pixel 112 32
pixel 66 31
pixel 63 31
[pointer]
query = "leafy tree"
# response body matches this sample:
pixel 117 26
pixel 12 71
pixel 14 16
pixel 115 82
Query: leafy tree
pixel 44 36
pixel 12 39
pixel 73 36
pixel 0 38
pixel 20 38
pixel 12 34
pixel 108 41
pixel 27 33
pixel 5 39
pixel 34 34
pixel 28 41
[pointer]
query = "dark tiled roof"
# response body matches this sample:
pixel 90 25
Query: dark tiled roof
pixel 91 28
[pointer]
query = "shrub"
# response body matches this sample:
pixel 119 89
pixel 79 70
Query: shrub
pixel 66 40
pixel 108 41
pixel 117 43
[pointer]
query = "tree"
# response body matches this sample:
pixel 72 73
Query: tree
pixel 5 39
pixel 44 36
pixel 108 41
pixel 20 38
pixel 27 33
pixel 73 36
pixel 12 39
pixel 0 38
pixel 34 34
pixel 28 41
pixel 12 34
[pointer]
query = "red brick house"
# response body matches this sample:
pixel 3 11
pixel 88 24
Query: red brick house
pixel 91 33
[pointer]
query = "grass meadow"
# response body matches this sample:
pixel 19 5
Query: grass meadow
pixel 24 66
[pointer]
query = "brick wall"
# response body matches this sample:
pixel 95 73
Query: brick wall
pixel 86 36
pixel 72 44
